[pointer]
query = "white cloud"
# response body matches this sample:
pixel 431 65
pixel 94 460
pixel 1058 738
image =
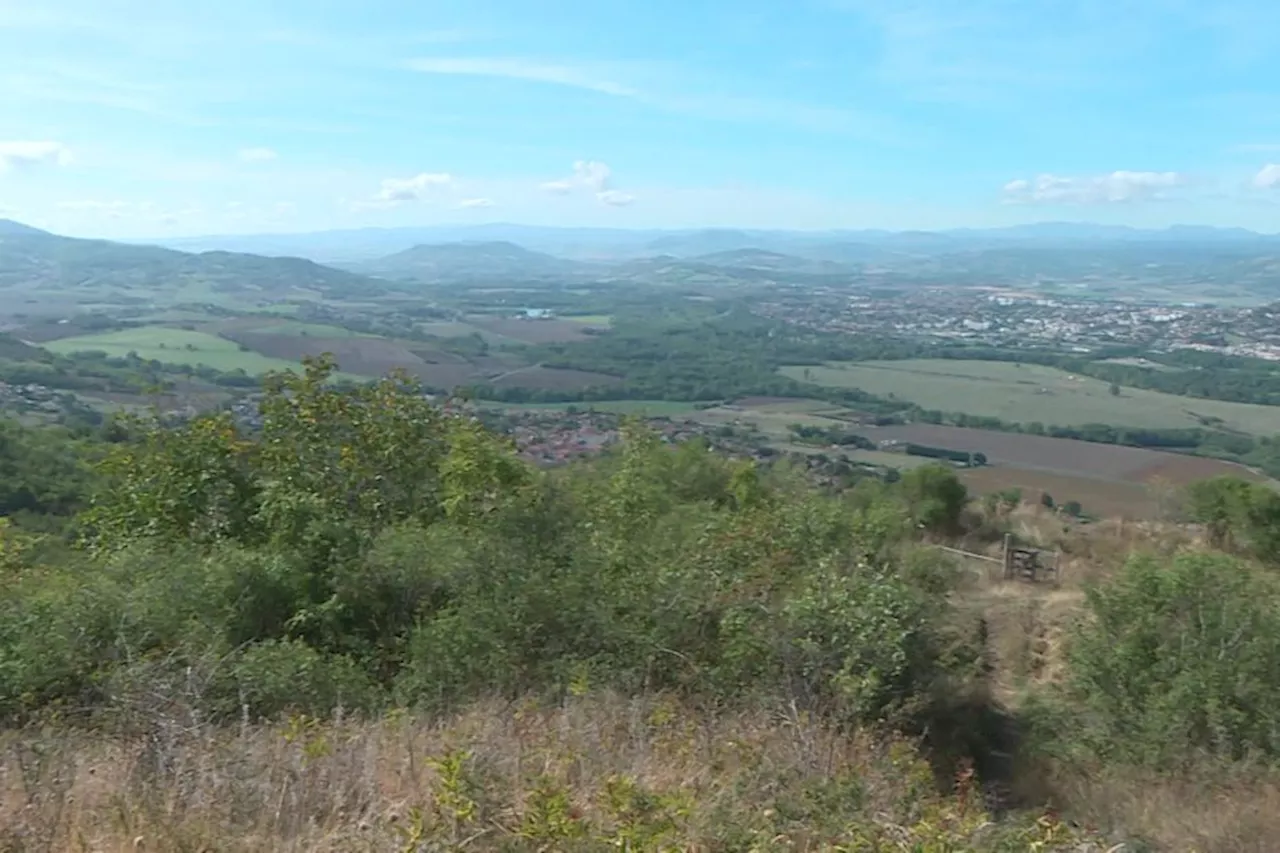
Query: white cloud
pixel 590 176
pixel 522 69
pixel 476 203
pixel 557 187
pixel 1268 178
pixel 1116 187
pixel 593 174
pixel 397 190
pixel 23 154
pixel 615 198
pixel 257 155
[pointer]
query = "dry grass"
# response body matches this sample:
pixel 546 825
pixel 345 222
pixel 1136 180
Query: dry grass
pixel 596 772
pixel 1201 812
pixel 600 771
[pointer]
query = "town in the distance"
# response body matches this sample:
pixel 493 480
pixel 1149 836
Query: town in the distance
pixel 1093 369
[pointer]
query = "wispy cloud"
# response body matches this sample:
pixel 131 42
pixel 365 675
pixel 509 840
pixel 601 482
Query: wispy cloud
pixel 557 187
pixel 615 198
pixel 19 154
pixel 1268 178
pixel 609 79
pixel 523 69
pixel 1116 187
pixel 257 155
pixel 476 203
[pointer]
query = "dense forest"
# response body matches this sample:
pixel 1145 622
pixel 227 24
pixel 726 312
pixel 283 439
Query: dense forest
pixel 366 559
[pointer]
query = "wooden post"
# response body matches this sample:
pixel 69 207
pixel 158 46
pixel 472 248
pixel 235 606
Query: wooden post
pixel 1008 567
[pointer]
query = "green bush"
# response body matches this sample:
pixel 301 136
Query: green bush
pixel 365 544
pixel 1177 660
pixel 278 676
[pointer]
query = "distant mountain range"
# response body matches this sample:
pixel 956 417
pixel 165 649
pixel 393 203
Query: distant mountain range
pixel 1209 262
pixel 602 244
pixel 33 258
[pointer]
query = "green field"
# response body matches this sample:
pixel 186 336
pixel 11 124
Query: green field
pixel 314 330
pixel 1027 392
pixel 174 346
pixel 590 319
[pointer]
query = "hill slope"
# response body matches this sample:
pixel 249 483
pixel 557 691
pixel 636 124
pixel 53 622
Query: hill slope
pixel 469 261
pixel 34 260
pixel 9 228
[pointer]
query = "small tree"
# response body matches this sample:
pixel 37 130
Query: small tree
pixel 935 497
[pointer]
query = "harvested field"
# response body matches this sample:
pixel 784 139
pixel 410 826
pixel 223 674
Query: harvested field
pixel 1077 458
pixel 552 379
pixel 1023 393
pixel 532 331
pixel 1098 497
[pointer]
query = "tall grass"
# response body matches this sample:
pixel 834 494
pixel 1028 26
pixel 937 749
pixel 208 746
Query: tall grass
pixel 594 772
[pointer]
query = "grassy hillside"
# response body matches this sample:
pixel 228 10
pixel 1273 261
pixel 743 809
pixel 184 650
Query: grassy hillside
pixel 82 269
pixel 369 626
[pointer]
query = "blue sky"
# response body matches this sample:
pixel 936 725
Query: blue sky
pixel 136 118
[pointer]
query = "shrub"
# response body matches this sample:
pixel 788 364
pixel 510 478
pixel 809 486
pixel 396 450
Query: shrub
pixel 276 676
pixel 1177 660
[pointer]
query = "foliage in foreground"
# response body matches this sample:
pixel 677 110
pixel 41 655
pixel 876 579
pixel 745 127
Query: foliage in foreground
pixel 1178 661
pixel 367 548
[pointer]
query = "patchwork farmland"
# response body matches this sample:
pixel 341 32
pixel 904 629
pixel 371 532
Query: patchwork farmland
pixel 174 346
pixel 1023 393
pixel 1104 478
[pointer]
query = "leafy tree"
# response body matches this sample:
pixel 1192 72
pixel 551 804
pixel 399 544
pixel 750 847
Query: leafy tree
pixel 934 496
pixel 1237 515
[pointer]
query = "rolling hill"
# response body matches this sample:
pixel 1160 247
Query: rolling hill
pixel 36 261
pixel 9 228
pixel 497 259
